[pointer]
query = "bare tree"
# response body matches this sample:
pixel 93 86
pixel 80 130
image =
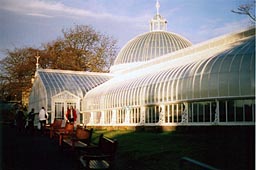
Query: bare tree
pixel 247 9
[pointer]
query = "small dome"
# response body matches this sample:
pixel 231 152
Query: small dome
pixel 149 46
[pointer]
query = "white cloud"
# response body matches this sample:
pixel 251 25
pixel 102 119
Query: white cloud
pixel 39 15
pixel 40 8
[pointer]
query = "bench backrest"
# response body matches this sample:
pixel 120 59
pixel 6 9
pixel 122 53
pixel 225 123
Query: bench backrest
pixel 69 127
pixel 57 123
pixel 84 135
pixel 107 146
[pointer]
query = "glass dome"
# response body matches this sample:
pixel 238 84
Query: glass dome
pixel 149 46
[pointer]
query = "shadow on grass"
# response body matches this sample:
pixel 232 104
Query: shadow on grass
pixel 222 147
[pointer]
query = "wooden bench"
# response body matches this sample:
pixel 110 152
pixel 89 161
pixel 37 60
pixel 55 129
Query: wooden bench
pixel 81 138
pixel 60 133
pixel 101 156
pixel 56 125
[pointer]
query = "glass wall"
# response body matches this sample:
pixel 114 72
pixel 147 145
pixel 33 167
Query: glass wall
pixel 197 112
pixel 221 76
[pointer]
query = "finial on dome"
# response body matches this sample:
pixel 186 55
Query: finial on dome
pixel 157 7
pixel 158 23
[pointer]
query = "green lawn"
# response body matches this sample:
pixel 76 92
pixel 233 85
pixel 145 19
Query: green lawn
pixel 233 149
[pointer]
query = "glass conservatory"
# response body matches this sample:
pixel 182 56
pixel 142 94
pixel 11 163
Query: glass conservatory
pixel 160 79
pixel 205 84
pixel 57 89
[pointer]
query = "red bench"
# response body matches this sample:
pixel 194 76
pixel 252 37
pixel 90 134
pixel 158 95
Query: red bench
pixel 54 126
pixel 81 138
pixel 60 133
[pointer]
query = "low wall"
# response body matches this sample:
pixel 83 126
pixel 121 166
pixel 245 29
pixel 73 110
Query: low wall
pixel 220 129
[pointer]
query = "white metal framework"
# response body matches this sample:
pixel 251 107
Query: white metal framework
pixel 210 83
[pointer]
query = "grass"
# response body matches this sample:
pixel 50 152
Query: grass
pixel 163 150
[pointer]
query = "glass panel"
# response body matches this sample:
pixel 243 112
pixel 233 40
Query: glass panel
pixel 170 114
pixel 245 86
pixel 108 117
pixel 97 117
pixel 59 110
pixel 86 117
pixel 248 110
pixel 201 112
pixel 231 111
pixel 166 118
pixel 120 116
pixel 204 85
pixel 239 110
pixel 179 112
pixel 213 88
pixel 156 114
pixel 190 112
pixel 213 109
pixel 69 104
pixel 207 112
pixel 222 109
pixel 195 111
pixel 152 114
pixel 196 86
pixel 223 84
pixel 233 84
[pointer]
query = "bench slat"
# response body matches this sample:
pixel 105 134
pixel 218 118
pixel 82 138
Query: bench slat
pixel 102 156
pixel 80 139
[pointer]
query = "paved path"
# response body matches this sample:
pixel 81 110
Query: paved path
pixel 21 151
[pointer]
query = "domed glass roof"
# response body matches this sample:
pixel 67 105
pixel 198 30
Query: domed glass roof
pixel 150 45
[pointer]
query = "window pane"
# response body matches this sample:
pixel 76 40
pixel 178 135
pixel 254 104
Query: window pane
pixel 195 113
pixel 239 110
pixel 231 111
pixel 59 110
pixel 201 112
pixel 222 111
pixel 207 112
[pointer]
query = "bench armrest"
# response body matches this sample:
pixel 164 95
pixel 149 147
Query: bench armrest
pixel 95 157
pixel 89 149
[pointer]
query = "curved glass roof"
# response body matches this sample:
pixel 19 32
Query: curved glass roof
pixel 150 45
pixel 78 83
pixel 230 73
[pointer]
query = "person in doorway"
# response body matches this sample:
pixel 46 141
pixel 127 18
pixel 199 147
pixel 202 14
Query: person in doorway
pixel 43 115
pixel 71 115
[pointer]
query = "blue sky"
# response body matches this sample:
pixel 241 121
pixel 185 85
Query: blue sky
pixel 31 23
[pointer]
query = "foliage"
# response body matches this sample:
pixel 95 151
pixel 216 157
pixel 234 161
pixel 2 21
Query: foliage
pixel 16 73
pixel 81 48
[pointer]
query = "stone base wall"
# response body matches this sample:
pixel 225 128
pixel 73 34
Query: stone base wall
pixel 220 129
